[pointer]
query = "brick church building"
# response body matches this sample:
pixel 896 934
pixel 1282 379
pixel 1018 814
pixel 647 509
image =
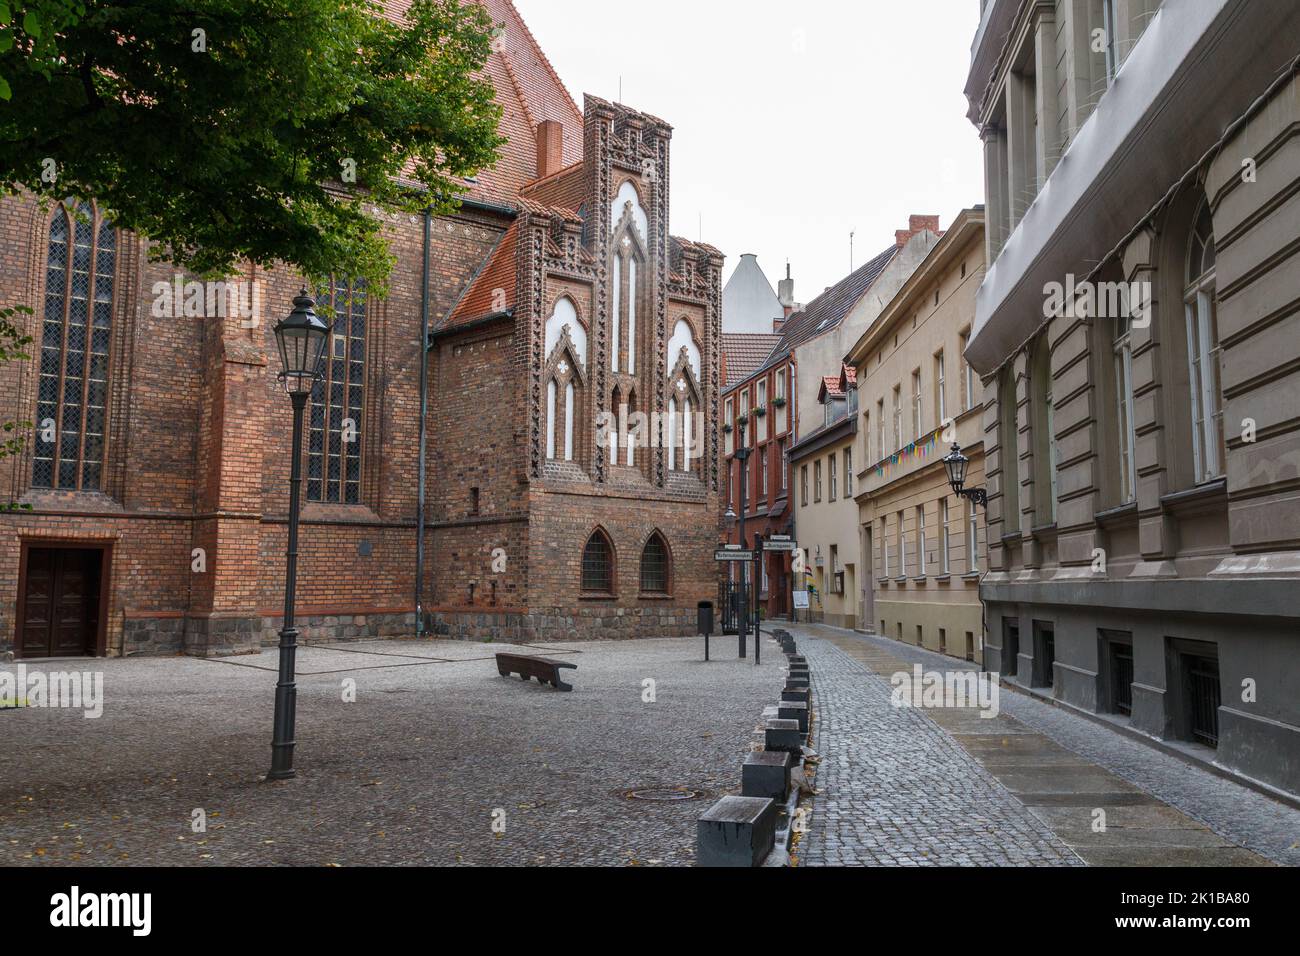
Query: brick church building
pixel 572 467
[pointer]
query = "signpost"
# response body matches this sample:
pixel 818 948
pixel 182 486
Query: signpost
pixel 801 600
pixel 733 555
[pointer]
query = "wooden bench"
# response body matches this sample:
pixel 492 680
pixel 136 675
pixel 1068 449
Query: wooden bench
pixel 546 671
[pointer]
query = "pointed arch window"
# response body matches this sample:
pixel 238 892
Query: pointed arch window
pixel 566 356
pixel 655 565
pixel 598 565
pixel 338 400
pixel 72 390
pixel 1203 350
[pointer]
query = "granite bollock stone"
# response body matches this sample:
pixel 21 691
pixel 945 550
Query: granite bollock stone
pixel 795 710
pixel 766 773
pixel 783 734
pixel 797 680
pixel 736 831
pixel 797 693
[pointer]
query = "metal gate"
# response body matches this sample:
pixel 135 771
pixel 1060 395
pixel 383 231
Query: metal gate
pixel 1203 699
pixel 1121 678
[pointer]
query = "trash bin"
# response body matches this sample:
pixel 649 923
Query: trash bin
pixel 704 617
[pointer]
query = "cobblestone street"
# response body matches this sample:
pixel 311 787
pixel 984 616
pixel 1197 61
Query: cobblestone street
pixel 944 786
pixel 411 773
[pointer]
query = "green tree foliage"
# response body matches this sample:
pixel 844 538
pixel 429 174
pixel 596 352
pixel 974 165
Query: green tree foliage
pixel 258 130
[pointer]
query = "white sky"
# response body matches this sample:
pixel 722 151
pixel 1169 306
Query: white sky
pixel 793 123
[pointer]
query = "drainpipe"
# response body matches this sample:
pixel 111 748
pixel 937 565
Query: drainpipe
pixel 424 437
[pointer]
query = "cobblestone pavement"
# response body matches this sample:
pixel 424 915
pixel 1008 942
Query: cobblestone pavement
pixel 1244 816
pixel 408 774
pixel 897 790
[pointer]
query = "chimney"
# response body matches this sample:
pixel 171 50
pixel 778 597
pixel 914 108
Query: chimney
pixel 785 293
pixel 550 148
pixel 917 224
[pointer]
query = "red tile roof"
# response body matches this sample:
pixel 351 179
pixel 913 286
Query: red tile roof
pixel 566 189
pixel 743 353
pixel 528 90
pixel 481 298
pixel 831 385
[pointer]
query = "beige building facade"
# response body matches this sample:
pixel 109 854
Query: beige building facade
pixel 920 546
pixel 1138 332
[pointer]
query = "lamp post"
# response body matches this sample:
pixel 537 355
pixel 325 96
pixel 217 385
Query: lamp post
pixel 301 338
pixel 957 463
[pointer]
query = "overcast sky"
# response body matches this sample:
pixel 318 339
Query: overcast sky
pixel 793 123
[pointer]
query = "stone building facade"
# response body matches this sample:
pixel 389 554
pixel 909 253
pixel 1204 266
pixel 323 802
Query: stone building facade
pixel 1138 333
pixel 921 547
pixel 156 478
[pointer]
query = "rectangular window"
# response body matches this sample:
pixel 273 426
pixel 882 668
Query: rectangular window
pixel 916 402
pixel 884 547
pixel 803 484
pixel 728 418
pixel 1123 352
pixel 940 405
pixel 1110 26
pixel 972 538
pixel 334 426
pixel 848 472
pixel 1203 354
pixel 830 466
pixel 880 429
pixel 817 480
pixel 780 450
pixel 967 375
pixel 944 541
pixel 920 540
pixel 762 393
pixel 902 548
pixel 898 417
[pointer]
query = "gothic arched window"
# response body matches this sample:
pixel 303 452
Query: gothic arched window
pixel 72 394
pixel 338 400
pixel 598 564
pixel 655 565
pixel 566 356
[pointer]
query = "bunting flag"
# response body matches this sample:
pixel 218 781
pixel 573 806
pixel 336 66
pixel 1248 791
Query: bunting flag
pixel 921 448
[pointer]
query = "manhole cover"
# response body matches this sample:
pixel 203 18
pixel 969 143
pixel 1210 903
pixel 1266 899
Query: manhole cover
pixel 663 794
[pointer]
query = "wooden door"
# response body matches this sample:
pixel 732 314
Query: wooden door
pixel 61 602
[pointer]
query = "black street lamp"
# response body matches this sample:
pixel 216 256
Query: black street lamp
pixel 957 463
pixel 301 338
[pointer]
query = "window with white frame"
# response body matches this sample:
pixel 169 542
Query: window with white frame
pixel 943 535
pixel 1122 350
pixel 920 540
pixel 916 402
pixel 1203 351
pixel 830 468
pixel 968 376
pixel 940 404
pixel 848 472
pixel 902 548
pixel 972 538
pixel 884 547
pixel 880 429
pixel 898 417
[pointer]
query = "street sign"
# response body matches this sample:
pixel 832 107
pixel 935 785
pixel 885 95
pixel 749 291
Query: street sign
pixel 780 545
pixel 733 547
pixel 733 555
pixel 779 537
pixel 800 600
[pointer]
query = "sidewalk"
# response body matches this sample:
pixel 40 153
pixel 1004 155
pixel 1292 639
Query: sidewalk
pixel 1032 786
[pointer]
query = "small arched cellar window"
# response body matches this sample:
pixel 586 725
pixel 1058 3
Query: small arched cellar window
pixel 655 565
pixel 598 564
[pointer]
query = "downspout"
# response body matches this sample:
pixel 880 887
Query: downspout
pixel 423 430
